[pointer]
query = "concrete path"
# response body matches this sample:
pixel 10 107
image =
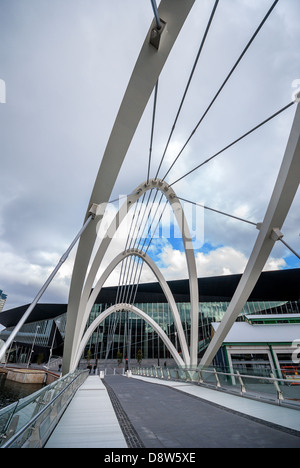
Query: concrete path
pixel 176 415
pixel 287 418
pixel 143 412
pixel 89 421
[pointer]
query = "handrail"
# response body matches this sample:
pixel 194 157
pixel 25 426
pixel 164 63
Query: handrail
pixel 31 423
pixel 285 394
pixel 248 376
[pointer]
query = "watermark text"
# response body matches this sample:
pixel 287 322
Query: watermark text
pixel 296 92
pixel 296 352
pixel 2 92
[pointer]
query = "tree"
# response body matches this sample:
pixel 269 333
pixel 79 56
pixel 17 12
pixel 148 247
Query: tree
pixel 119 357
pixel 40 358
pixel 139 356
pixel 89 356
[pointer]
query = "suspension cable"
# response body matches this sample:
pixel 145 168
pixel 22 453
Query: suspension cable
pixel 176 119
pixel 129 262
pixel 223 85
pixel 290 248
pixel 188 84
pixel 235 141
pixel 136 241
pixel 156 14
pixel 217 211
pixel 128 240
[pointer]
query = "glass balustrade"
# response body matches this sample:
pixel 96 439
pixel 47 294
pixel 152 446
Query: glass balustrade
pixel 30 421
pixel 271 389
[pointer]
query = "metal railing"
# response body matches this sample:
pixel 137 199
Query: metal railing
pixel 29 422
pixel 270 389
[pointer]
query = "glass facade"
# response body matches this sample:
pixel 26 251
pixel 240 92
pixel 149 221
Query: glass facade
pixel 43 334
pixel 127 334
pixel 3 298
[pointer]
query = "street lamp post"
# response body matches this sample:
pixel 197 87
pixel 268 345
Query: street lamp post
pixel 51 349
pixel 32 346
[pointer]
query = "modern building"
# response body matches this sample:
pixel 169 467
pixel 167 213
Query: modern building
pixel 262 344
pixel 276 293
pixel 3 298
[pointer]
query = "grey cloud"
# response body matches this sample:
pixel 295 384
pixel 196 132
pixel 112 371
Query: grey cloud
pixel 66 66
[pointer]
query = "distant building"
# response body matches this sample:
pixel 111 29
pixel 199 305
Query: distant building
pixel 276 294
pixel 3 298
pixel 262 344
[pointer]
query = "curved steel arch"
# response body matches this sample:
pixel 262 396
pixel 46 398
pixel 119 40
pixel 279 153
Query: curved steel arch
pixel 163 284
pixel 189 251
pixel 140 313
pixel 141 85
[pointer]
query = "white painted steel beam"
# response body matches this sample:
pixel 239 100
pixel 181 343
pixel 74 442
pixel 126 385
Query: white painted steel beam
pixel 283 195
pixel 140 313
pixel 105 243
pixel 143 80
pixel 164 285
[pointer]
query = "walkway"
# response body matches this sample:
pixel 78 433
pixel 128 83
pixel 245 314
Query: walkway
pixel 176 415
pixel 89 421
pixel 143 412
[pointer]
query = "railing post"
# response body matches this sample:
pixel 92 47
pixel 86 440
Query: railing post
pixel 200 379
pixel 243 388
pixel 217 379
pixel 279 392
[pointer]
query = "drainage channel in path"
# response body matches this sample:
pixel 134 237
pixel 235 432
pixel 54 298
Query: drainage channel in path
pixel 130 434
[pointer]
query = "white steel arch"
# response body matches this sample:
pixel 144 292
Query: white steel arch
pixel 144 78
pixel 164 285
pixel 141 85
pixel 190 257
pixel 140 313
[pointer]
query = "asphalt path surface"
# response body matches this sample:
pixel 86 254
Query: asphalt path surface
pixel 156 416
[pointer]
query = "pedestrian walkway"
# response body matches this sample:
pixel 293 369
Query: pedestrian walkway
pixel 140 412
pixel 89 421
pixel 178 415
pixel 268 413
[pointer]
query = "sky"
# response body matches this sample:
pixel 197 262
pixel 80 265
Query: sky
pixel 65 65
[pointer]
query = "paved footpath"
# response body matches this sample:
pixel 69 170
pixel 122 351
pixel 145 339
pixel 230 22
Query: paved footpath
pixel 166 416
pixel 89 421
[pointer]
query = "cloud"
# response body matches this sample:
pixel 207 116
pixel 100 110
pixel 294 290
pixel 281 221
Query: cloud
pixel 66 66
pixel 26 275
pixel 220 261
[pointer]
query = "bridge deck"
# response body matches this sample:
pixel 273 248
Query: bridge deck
pixel 89 421
pixel 288 418
pixel 164 414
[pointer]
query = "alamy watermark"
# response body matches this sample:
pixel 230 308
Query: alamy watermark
pixel 296 93
pixel 155 221
pixel 2 92
pixel 296 352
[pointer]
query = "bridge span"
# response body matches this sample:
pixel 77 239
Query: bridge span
pixel 135 411
pixel 146 412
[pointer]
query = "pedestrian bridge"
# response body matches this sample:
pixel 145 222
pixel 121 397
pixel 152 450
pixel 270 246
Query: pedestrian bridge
pixel 139 411
pixel 160 407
